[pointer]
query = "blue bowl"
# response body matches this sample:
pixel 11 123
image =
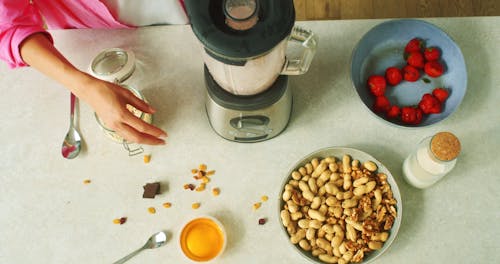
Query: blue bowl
pixel 383 47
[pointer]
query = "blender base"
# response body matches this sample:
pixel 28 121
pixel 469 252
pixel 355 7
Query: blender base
pixel 248 119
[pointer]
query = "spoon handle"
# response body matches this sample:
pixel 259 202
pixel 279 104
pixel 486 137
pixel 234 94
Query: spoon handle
pixel 72 109
pixel 129 256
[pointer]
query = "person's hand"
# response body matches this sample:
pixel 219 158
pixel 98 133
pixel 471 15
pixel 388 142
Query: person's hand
pixel 110 101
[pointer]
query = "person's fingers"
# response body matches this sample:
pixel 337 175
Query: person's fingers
pixel 143 127
pixel 137 102
pixel 132 135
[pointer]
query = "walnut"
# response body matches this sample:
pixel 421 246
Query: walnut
pixel 389 221
pixel 381 212
pixel 358 257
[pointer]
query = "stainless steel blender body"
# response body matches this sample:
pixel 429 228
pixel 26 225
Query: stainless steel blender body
pixel 248 118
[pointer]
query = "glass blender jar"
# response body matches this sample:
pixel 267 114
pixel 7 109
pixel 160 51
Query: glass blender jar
pixel 245 48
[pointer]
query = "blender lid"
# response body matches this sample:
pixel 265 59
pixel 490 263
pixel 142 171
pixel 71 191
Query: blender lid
pixel 113 65
pixel 207 18
pixel 246 102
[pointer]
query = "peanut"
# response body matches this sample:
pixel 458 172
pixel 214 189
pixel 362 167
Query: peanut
pixel 316 202
pixel 316 224
pixel 285 217
pixel 348 256
pixel 370 165
pixel 304 245
pixel 349 203
pixel 331 188
pixel 347 181
pixel 303 223
pixel 312 185
pixel 302 171
pixel 315 163
pixel 321 167
pixel 292 207
pixel 296 175
pixel 351 233
pixel 309 168
pixel 346 164
pixel 327 258
pixel 333 167
pixel 318 251
pixel 374 245
pixel 328 228
pixel 383 236
pixel 287 194
pixel 299 235
pixel 296 216
pixel 324 244
pixel 310 234
pixel 324 177
pixel 314 214
pixel 361 181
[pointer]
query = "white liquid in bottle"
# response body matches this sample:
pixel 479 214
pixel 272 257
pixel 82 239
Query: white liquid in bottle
pixel 434 158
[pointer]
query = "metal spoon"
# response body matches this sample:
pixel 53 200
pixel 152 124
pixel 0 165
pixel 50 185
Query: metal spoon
pixel 155 241
pixel 72 142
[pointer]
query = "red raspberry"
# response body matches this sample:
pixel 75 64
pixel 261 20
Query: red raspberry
pixel 393 112
pixel 441 94
pixel 411 73
pixel 432 54
pixel 381 104
pixel 414 45
pixel 416 59
pixel 430 104
pixel 434 69
pixel 377 85
pixel 411 115
pixel 393 76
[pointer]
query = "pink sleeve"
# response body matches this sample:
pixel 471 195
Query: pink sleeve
pixel 18 20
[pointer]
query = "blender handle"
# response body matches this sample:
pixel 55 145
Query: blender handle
pixel 309 42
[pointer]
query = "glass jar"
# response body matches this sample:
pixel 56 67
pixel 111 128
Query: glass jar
pixel 117 65
pixel 434 157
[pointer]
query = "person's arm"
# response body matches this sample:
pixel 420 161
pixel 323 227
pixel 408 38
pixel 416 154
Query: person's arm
pixel 107 99
pixel 24 41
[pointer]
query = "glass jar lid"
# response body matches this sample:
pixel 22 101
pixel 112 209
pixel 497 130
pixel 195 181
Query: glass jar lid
pixel 445 146
pixel 113 65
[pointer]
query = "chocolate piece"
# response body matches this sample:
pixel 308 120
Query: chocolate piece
pixel 151 189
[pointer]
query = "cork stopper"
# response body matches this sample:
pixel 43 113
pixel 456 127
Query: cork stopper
pixel 445 146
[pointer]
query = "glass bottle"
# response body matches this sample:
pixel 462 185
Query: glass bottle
pixel 434 157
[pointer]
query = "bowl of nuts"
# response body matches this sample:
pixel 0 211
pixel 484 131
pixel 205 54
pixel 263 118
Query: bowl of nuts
pixel 340 205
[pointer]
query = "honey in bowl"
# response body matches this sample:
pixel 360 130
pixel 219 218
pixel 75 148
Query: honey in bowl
pixel 202 239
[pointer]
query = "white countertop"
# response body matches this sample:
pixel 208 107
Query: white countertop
pixel 49 216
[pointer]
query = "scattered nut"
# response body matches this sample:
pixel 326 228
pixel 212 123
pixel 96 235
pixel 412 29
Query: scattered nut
pixel 147 158
pixel 167 205
pixel 151 210
pixel 215 191
pixel 264 198
pixel 189 186
pixel 195 205
pixel 86 181
pixel 256 206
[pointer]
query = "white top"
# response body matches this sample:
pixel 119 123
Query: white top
pixel 144 13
